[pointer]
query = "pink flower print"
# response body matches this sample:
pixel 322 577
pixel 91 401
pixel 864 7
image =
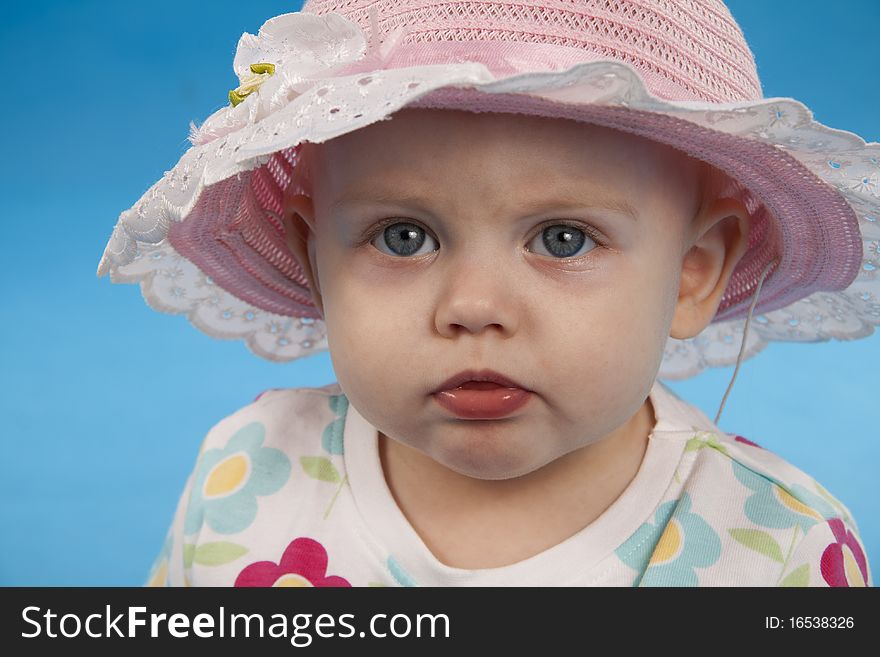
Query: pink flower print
pixel 843 562
pixel 741 439
pixel 303 564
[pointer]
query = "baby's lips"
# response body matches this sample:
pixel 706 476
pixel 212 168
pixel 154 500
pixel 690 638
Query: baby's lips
pixel 478 376
pixel 482 401
pixel 482 385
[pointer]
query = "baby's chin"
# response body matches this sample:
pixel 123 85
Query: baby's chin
pixel 485 459
pixel 495 471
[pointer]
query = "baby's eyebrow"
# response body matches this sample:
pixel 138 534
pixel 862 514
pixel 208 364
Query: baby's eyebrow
pixel 561 200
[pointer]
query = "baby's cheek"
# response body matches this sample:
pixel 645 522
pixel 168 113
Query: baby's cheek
pixel 606 359
pixel 368 348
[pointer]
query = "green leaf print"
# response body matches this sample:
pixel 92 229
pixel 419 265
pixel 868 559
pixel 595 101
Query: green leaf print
pixel 693 444
pixel 189 551
pixel 704 439
pixel 800 576
pixel 335 495
pixel 758 541
pixel 319 467
pixel 219 553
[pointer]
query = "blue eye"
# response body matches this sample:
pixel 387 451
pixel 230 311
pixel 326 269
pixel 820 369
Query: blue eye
pixel 561 241
pixel 402 239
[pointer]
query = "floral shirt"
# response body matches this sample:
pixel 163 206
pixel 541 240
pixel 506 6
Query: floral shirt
pixel 289 491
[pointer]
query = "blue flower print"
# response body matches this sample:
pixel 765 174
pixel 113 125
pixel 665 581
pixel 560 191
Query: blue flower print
pixel 331 439
pixel 771 505
pixel 635 552
pixel 321 467
pixel 399 574
pixel 668 550
pixel 228 481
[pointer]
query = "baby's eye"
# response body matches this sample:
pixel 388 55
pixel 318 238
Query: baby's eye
pixel 560 241
pixel 402 239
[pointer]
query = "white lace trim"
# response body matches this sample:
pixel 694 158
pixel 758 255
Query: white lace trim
pixel 172 284
pixel 304 102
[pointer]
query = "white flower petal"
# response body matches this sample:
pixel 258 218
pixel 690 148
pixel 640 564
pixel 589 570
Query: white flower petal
pixel 300 40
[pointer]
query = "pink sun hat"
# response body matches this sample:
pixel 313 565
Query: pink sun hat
pixel 206 239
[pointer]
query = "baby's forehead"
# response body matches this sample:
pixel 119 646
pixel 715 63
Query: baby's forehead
pixel 410 130
pixel 439 149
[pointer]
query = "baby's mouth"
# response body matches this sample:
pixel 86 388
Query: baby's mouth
pixel 480 385
pixel 482 400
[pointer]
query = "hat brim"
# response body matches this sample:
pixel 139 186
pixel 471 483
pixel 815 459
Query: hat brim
pixel 812 192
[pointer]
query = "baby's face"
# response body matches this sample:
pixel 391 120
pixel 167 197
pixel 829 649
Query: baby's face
pixel 546 250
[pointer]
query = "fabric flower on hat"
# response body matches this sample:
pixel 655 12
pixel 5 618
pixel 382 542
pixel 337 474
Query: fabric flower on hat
pixel 271 66
pixel 303 564
pixel 229 480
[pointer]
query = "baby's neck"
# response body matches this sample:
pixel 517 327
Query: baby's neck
pixel 477 523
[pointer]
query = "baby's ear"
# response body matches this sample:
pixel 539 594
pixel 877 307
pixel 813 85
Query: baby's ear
pixel 719 240
pixel 298 219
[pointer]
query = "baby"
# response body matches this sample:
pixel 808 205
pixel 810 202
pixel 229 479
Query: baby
pixel 545 226
pixel 502 275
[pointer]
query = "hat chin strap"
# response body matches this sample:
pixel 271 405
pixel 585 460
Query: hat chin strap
pixel 742 346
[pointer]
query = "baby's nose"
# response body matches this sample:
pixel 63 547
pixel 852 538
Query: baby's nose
pixel 477 296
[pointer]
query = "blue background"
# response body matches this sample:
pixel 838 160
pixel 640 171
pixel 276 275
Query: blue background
pixel 106 401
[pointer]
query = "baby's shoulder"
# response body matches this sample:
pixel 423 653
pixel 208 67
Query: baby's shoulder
pixel 718 468
pixel 769 484
pixel 280 417
pixel 771 521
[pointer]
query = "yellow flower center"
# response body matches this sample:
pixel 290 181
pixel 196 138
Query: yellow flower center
pixel 261 72
pixel 851 568
pixel 292 580
pixel 227 476
pixel 668 545
pixel 794 504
